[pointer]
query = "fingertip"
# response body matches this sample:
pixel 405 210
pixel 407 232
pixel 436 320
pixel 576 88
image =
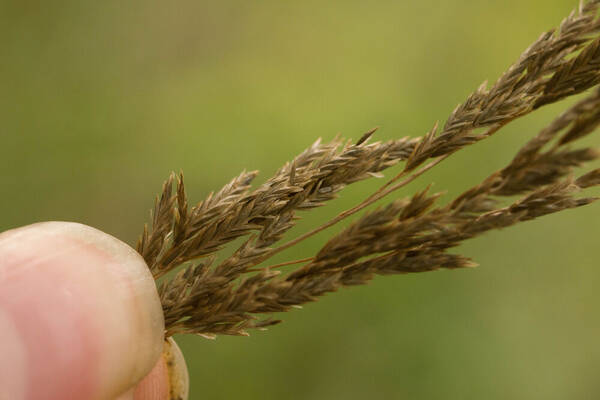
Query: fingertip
pixel 155 385
pixel 83 309
pixel 168 380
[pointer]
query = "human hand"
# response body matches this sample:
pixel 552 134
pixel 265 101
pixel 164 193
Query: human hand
pixel 80 318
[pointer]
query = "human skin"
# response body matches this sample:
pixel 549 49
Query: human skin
pixel 80 318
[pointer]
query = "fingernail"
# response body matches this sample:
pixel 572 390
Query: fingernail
pixel 179 380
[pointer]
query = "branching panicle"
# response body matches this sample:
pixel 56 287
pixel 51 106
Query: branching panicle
pixel 405 236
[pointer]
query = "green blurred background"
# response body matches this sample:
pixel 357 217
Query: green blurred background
pixel 101 100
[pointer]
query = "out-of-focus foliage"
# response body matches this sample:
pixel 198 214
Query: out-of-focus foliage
pixel 101 100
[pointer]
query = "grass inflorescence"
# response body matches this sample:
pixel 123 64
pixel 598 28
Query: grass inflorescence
pixel 407 235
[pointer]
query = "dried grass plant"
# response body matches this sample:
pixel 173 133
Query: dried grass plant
pixel 404 236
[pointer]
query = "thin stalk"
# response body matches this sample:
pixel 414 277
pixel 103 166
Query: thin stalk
pixel 379 194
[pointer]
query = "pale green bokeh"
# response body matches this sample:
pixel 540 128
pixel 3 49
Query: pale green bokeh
pixel 101 100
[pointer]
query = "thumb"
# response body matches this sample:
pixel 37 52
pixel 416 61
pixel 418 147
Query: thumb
pixel 80 316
